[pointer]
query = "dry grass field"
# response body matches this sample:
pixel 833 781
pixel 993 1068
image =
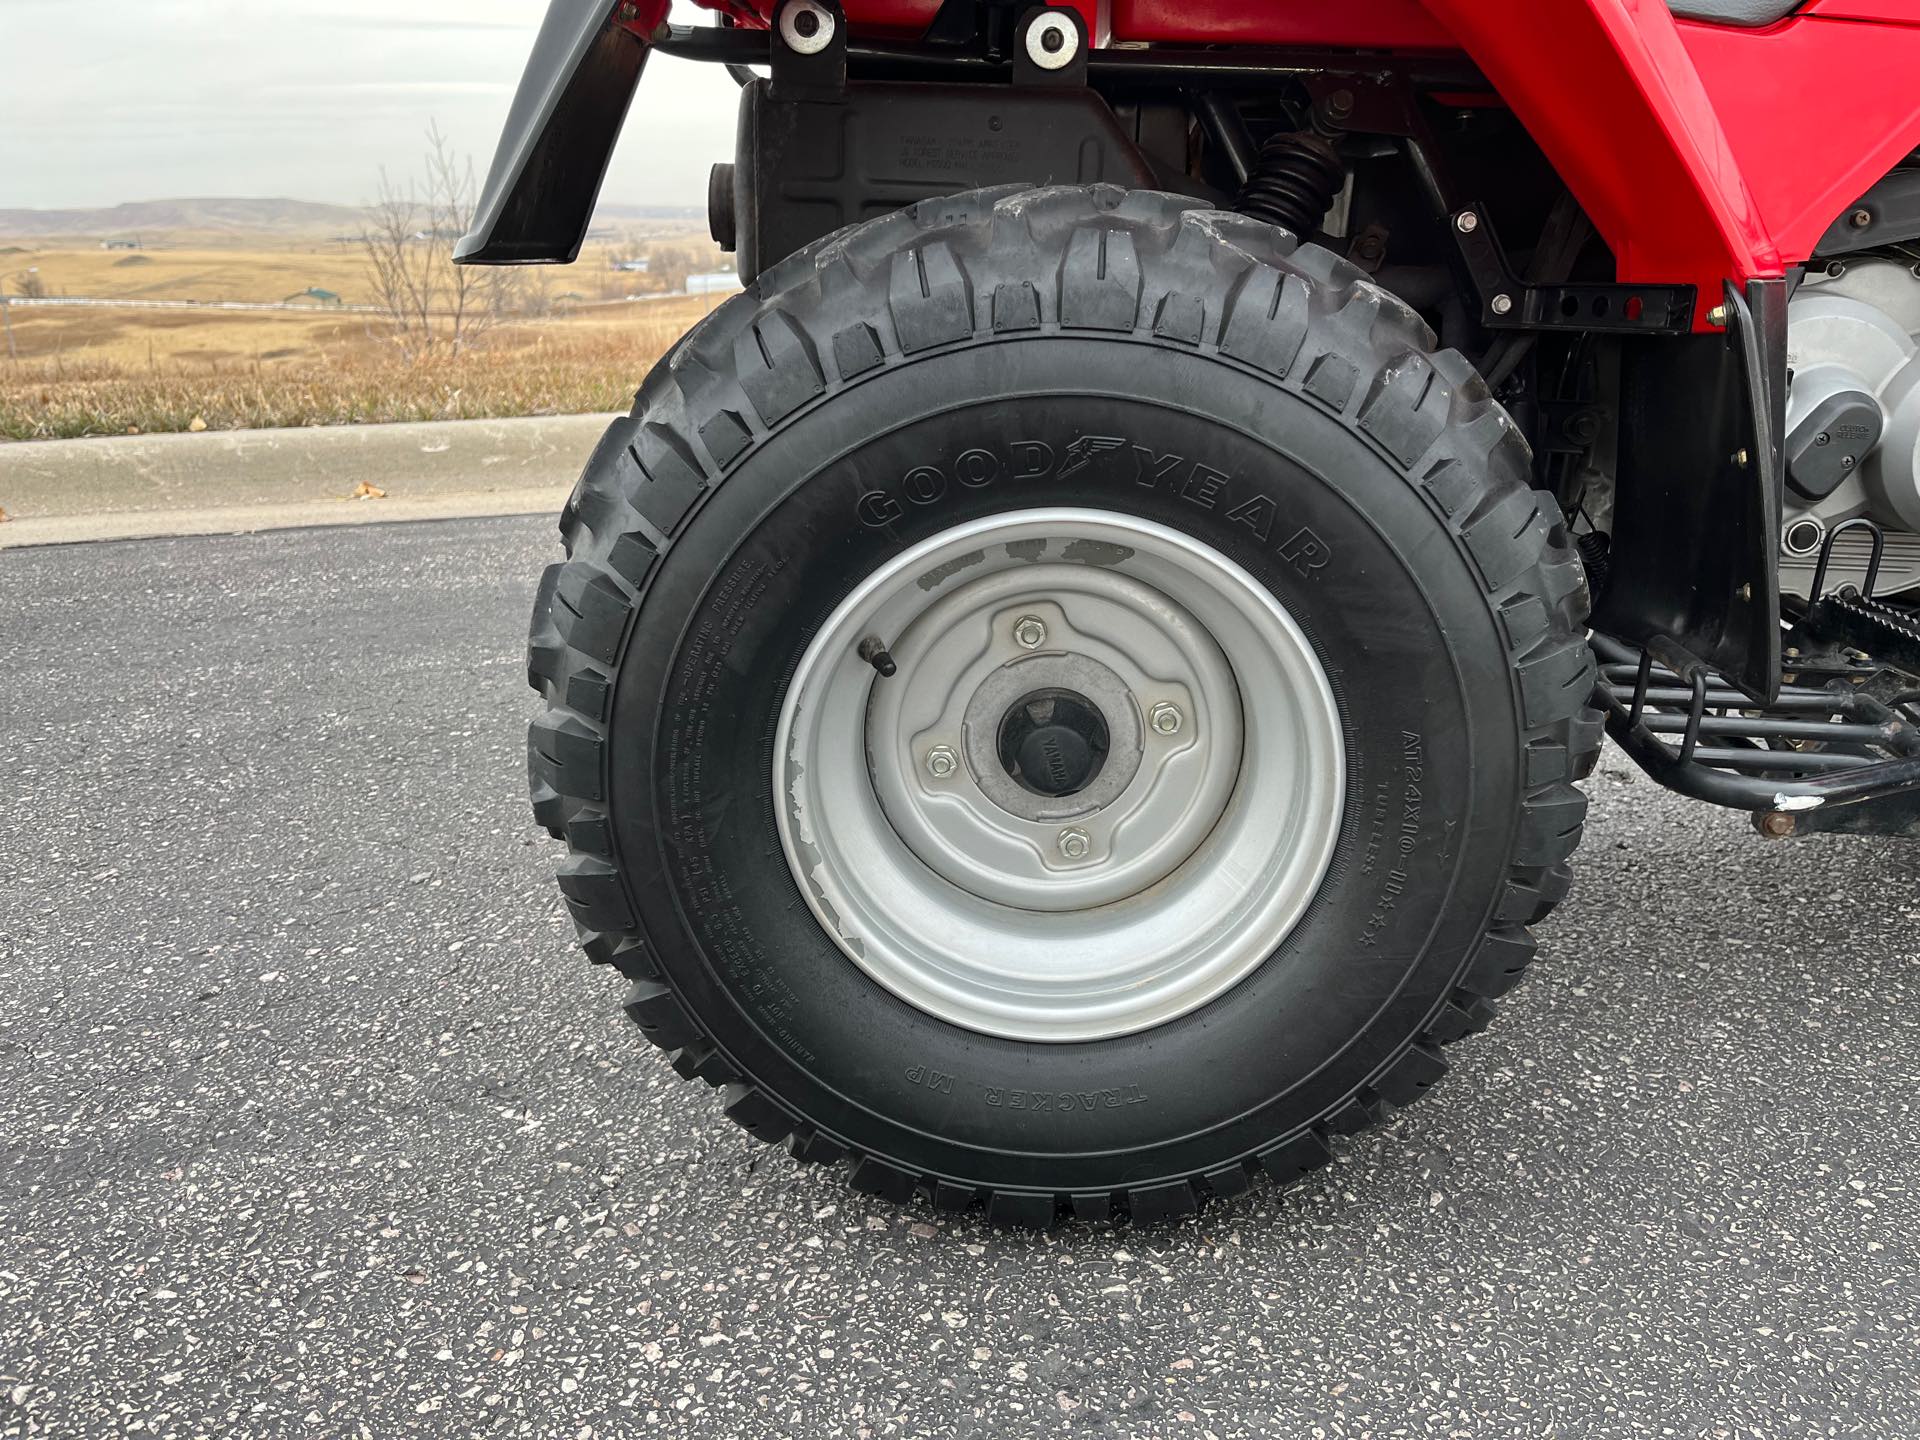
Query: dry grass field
pixel 590 336
pixel 327 377
pixel 196 272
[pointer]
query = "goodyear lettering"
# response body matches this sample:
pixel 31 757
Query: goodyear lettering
pixel 1102 458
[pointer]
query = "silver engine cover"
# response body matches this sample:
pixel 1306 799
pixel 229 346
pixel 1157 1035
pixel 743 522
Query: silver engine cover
pixel 1847 333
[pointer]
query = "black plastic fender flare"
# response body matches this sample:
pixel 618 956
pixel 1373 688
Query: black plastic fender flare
pixel 559 136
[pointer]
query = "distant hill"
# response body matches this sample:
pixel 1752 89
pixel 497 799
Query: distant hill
pixel 608 210
pixel 238 216
pixel 159 216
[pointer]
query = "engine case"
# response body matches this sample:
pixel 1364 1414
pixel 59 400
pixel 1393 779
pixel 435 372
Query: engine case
pixel 1853 423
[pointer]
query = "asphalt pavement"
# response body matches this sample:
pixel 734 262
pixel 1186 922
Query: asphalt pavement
pixel 314 1122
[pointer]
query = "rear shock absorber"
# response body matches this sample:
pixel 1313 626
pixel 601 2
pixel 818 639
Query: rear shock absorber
pixel 1295 179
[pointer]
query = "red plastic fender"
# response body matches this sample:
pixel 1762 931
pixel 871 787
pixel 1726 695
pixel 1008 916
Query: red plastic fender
pixel 1815 109
pixel 1704 153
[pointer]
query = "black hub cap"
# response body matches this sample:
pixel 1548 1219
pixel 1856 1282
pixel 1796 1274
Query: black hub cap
pixel 1053 742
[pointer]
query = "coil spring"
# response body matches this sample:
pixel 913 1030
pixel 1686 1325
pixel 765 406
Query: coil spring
pixel 1294 180
pixel 1594 550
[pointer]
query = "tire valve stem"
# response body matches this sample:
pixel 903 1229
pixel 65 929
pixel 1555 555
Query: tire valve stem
pixel 875 654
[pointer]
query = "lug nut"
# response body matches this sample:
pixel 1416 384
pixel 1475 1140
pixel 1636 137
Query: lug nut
pixel 1074 844
pixel 942 762
pixel 1166 719
pixel 1030 632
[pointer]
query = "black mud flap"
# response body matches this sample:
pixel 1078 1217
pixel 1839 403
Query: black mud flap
pixel 546 175
pixel 1697 515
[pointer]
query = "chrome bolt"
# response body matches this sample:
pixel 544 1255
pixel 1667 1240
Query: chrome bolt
pixel 1052 42
pixel 942 762
pixel 1166 719
pixel 806 28
pixel 1466 222
pixel 1030 632
pixel 1501 304
pixel 1718 316
pixel 1074 844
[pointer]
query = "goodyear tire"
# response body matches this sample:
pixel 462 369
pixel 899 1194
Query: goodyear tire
pixel 1287 590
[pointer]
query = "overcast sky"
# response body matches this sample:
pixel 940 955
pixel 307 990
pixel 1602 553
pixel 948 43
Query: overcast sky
pixel 156 99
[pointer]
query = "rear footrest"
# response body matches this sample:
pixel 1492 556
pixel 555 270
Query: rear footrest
pixel 1826 744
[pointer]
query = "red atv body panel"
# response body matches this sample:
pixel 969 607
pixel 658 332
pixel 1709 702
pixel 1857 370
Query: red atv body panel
pixel 1703 152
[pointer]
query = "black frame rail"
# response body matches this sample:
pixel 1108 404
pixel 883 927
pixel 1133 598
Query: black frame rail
pixel 1832 738
pixel 1509 303
pixel 1700 736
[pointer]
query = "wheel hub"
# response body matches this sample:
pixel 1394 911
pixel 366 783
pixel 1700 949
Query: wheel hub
pixel 1085 707
pixel 1053 742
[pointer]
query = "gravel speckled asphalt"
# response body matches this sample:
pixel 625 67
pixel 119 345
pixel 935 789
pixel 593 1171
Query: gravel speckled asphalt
pixel 315 1124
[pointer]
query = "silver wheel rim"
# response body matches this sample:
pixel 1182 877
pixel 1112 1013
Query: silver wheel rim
pixel 1096 905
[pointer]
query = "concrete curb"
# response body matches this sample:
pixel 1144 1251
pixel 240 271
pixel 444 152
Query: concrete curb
pixel 125 487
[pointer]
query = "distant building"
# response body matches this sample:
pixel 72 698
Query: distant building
pixel 119 244
pixel 640 265
pixel 717 282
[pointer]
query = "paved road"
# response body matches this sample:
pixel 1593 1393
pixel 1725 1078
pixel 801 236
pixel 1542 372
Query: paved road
pixel 314 1124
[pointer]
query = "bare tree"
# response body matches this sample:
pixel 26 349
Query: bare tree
pixel 434 307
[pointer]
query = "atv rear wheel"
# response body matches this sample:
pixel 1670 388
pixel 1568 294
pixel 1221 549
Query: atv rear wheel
pixel 1064 697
